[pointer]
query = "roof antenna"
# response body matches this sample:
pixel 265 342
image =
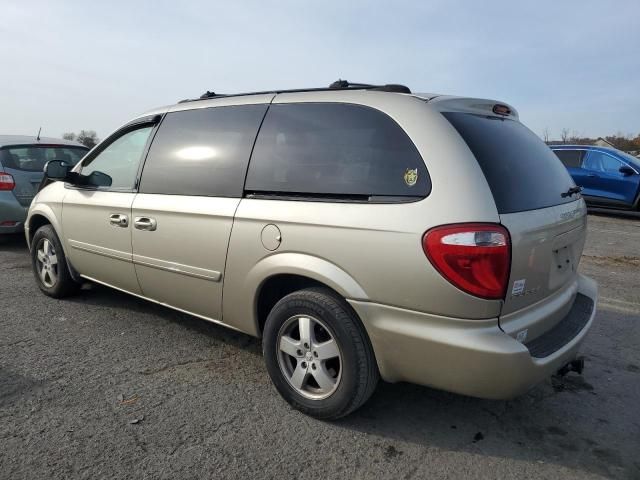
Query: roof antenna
pixel 38 137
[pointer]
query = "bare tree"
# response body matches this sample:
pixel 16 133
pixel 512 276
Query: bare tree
pixel 546 134
pixel 565 135
pixel 69 136
pixel 88 138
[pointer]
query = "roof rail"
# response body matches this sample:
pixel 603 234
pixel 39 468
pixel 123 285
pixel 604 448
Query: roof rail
pixel 389 87
pixel 337 85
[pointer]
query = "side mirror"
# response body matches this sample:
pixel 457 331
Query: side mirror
pixel 98 179
pixel 57 170
pixel 626 170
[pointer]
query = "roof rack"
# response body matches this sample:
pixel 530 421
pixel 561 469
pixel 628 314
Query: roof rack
pixel 337 85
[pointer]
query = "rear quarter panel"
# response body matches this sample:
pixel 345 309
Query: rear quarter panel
pixel 377 248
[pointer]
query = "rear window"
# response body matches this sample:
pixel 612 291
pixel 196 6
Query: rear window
pixel 521 170
pixel 32 158
pixel 332 150
pixel 570 158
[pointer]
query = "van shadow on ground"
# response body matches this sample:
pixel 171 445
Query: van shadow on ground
pixel 564 421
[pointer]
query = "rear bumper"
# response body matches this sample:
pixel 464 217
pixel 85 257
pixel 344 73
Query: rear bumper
pixel 470 357
pixel 11 211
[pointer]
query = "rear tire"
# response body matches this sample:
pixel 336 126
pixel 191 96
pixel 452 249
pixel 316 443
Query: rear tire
pixel 50 264
pixel 328 372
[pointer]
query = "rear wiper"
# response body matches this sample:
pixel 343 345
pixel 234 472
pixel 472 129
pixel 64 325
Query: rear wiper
pixel 571 191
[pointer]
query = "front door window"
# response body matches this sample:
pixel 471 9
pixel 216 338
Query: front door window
pixel 120 159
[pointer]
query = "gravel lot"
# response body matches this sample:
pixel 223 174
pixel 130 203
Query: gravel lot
pixel 104 385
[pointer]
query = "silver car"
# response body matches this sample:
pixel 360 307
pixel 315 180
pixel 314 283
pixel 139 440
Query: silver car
pixel 22 160
pixel 362 232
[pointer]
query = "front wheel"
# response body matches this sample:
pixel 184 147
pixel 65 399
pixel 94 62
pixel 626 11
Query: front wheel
pixel 318 354
pixel 50 265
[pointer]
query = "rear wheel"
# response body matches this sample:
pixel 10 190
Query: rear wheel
pixel 318 355
pixel 50 265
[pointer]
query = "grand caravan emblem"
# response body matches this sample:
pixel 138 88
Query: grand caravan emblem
pixel 411 176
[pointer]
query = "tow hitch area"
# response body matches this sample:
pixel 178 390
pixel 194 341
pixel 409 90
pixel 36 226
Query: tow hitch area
pixel 576 365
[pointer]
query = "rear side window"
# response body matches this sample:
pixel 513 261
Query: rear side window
pixel 202 152
pixel 33 158
pixel 335 150
pixel 521 170
pixel 570 158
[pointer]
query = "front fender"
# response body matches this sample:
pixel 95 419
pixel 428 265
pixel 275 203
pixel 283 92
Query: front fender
pixel 47 204
pixel 46 211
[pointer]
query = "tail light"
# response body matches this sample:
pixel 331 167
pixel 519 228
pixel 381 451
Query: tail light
pixel 6 181
pixel 475 257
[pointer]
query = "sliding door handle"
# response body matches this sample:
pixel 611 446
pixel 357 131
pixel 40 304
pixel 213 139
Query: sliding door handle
pixel 119 220
pixel 145 223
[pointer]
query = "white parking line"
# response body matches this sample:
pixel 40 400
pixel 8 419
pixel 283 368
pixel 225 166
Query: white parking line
pixel 622 306
pixel 617 232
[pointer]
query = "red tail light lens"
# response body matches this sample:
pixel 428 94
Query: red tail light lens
pixel 475 257
pixel 6 181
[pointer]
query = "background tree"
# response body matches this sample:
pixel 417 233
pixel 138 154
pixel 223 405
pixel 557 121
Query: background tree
pixel 621 141
pixel 88 138
pixel 546 134
pixel 565 135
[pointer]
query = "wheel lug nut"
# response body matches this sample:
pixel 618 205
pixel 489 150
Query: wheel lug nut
pixel 315 354
pixel 313 366
pixel 306 345
pixel 299 352
pixel 304 364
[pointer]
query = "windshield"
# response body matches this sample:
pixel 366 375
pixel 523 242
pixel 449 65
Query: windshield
pixel 634 161
pixel 32 158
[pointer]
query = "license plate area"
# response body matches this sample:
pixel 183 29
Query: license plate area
pixel 562 267
pixel 563 258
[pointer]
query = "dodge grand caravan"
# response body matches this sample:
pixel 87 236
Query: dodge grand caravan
pixel 360 231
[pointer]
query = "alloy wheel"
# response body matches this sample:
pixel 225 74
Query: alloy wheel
pixel 309 357
pixel 47 263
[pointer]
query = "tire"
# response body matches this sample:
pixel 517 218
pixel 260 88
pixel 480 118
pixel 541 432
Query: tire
pixel 56 280
pixel 311 377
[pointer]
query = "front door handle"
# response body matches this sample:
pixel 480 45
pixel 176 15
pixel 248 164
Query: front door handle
pixel 593 175
pixel 145 223
pixel 119 220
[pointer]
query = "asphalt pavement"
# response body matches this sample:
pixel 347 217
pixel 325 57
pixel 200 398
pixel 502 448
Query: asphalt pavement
pixel 105 385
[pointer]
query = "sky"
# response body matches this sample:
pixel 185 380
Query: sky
pixel 72 65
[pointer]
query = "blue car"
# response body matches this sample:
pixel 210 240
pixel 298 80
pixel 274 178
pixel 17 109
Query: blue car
pixel 609 177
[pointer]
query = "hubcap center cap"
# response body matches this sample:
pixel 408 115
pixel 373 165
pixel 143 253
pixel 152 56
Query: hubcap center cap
pixel 309 356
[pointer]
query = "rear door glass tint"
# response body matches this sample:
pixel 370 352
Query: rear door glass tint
pixel 521 170
pixel 331 149
pixel 202 152
pixel 570 158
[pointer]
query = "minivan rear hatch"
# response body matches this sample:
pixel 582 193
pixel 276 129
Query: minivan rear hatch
pixel 531 190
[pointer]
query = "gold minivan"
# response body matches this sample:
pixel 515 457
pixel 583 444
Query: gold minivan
pixel 361 231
